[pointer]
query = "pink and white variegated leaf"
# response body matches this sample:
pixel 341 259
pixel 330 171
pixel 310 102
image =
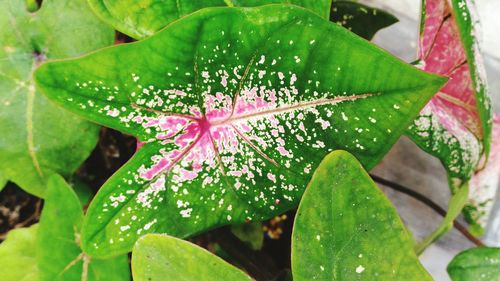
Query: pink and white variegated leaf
pixel 484 184
pixel 235 107
pixel 456 124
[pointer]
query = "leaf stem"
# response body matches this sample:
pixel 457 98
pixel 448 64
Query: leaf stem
pixel 429 203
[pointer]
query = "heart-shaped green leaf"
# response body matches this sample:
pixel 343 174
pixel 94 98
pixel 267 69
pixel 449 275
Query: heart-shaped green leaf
pixel 363 20
pixel 236 107
pixel 456 125
pixel 161 257
pixel 346 229
pixel 60 257
pixel 479 264
pixel 141 19
pixel 18 255
pixel 37 137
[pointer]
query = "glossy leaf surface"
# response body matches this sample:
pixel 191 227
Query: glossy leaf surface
pixel 60 257
pixel 363 20
pixel 346 229
pixel 479 264
pixel 37 137
pixel 235 107
pixel 18 255
pixel 141 19
pixel 456 125
pixel 159 257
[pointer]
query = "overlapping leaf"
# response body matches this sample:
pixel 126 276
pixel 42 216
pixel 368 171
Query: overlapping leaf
pixel 38 137
pixel 363 20
pixel 18 255
pixel 60 257
pixel 141 19
pixel 456 125
pixel 236 107
pixel 346 229
pixel 479 264
pixel 161 257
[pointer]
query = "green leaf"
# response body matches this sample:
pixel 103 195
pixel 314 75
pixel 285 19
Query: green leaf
pixel 302 87
pixel 18 255
pixel 455 206
pixel 3 181
pixel 250 233
pixel 346 229
pixel 479 264
pixel 37 137
pixel 156 256
pixel 363 20
pixel 141 19
pixel 59 254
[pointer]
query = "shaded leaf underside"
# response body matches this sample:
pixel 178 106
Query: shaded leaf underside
pixel 363 20
pixel 236 109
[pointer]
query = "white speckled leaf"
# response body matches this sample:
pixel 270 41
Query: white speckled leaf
pixel 235 107
pixel 141 19
pixel 39 138
pixel 346 229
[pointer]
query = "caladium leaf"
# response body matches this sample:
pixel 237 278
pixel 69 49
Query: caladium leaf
pixel 156 257
pixel 143 19
pixel 363 20
pixel 236 107
pixel 59 254
pixel 478 264
pixel 346 229
pixel 456 125
pixel 18 255
pixel 484 186
pixel 36 138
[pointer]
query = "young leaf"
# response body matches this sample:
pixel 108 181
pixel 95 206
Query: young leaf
pixel 59 254
pixel 363 20
pixel 455 206
pixel 479 264
pixel 484 186
pixel 140 20
pixel 236 107
pixel 37 137
pixel 346 229
pixel 18 255
pixel 460 114
pixel 161 257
